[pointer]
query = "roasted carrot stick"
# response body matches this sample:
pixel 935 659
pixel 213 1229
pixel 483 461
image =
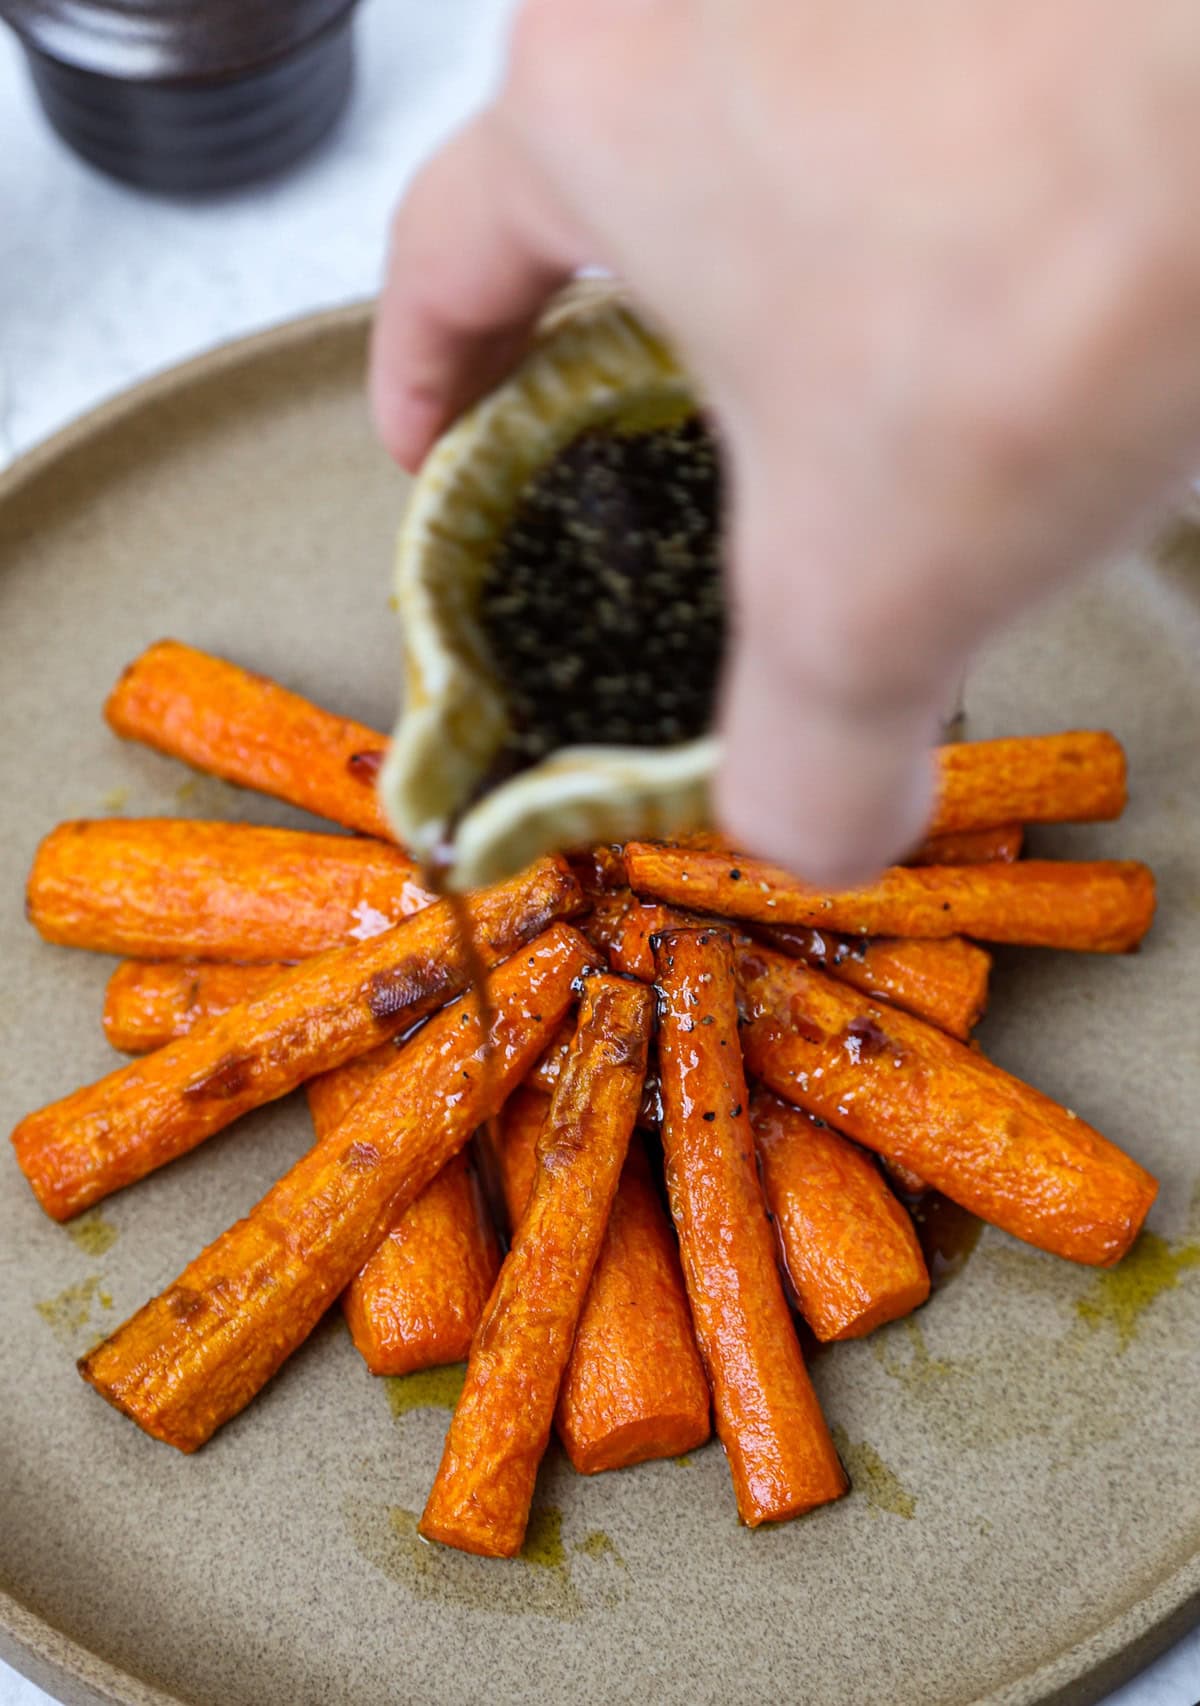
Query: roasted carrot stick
pixel 419 1297
pixel 548 1070
pixel 1077 777
pixel 197 1354
pixel 313 1018
pixel 780 1454
pixel 168 888
pixel 149 1003
pixel 981 1137
pixel 1102 906
pixel 251 731
pixel 848 1247
pixel 945 982
pixel 972 847
pixel 635 1387
pixel 481 1495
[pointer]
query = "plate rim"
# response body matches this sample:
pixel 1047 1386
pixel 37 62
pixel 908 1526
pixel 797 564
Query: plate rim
pixel 1100 1661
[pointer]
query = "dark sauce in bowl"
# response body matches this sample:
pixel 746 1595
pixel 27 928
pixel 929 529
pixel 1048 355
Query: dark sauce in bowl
pixel 603 605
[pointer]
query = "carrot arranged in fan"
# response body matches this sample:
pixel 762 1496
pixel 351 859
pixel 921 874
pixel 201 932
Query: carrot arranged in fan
pixel 1077 777
pixel 417 1300
pixel 168 888
pixel 848 1246
pixel 981 1137
pixel 1101 906
pixel 945 982
pixel 972 846
pixel 634 1388
pixel 194 1356
pixel 780 1454
pixel 314 1017
pixel 149 1003
pixel 484 1485
pixel 250 730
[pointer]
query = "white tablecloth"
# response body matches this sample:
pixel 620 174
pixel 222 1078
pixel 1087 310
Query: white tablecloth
pixel 100 286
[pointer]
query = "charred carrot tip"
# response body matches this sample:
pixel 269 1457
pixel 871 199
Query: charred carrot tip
pixel 197 1354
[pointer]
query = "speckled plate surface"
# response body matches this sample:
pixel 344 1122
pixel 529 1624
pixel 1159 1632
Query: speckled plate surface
pixel 1026 1520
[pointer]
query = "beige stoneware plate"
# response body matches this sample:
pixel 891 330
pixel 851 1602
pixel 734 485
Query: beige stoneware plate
pixel 1025 1524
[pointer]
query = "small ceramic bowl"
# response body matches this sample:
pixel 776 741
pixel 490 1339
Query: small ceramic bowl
pixel 593 363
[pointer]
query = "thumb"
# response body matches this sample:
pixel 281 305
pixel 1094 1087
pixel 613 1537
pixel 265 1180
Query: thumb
pixel 827 718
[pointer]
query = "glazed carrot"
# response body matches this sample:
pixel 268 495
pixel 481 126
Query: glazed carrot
pixel 315 1017
pixel 981 1137
pixel 149 1003
pixel 251 731
pixel 194 1356
pixel 1077 777
pixel 548 1070
pixel 418 1298
pixel 972 846
pixel 944 982
pixel 780 1454
pixel 603 924
pixel 1101 906
pixel 168 888
pixel 481 1495
pixel 634 1388
pixel 848 1246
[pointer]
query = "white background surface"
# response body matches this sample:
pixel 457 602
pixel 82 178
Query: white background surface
pixel 100 286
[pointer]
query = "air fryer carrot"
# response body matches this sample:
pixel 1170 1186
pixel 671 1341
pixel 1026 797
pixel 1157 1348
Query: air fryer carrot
pixel 945 982
pixel 168 888
pixel 194 1356
pixel 848 1246
pixel 981 1137
pixel 1102 906
pixel 634 1388
pixel 311 1019
pixel 149 1003
pixel 250 730
pixel 481 1495
pixel 1077 777
pixel 972 846
pixel 780 1454
pixel 419 1297
pixel 548 1070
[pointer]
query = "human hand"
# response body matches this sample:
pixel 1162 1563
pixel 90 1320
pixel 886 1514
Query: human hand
pixel 937 270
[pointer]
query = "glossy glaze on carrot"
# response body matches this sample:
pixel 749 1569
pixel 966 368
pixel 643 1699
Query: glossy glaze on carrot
pixel 483 1489
pixel 194 1356
pixel 945 982
pixel 781 1457
pixel 315 1017
pixel 991 1143
pixel 1098 906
